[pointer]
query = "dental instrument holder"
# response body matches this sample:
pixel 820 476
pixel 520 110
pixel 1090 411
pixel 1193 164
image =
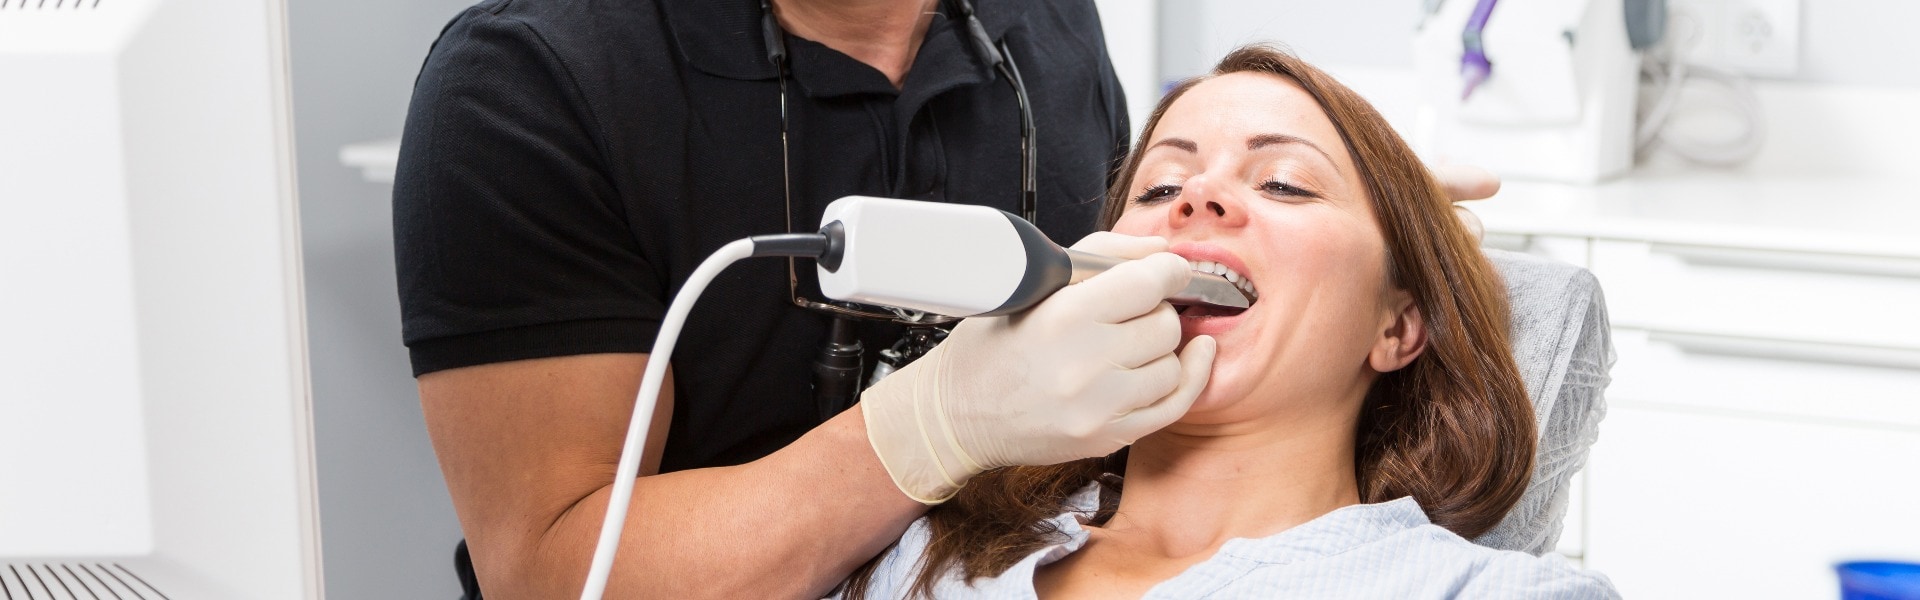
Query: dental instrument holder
pixel 963 260
pixel 837 370
pixel 915 343
pixel 1557 99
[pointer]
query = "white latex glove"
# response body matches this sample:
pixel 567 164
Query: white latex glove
pixel 1085 372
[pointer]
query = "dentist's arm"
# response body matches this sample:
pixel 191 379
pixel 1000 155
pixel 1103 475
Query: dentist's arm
pixel 529 450
pixel 529 447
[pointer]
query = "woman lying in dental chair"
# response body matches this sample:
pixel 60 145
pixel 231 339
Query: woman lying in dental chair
pixel 1364 417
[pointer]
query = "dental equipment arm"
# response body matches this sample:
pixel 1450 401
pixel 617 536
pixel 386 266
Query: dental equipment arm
pixel 1089 368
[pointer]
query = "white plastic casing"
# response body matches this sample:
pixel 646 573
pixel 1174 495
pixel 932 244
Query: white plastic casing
pixel 154 405
pixel 948 259
pixel 1559 105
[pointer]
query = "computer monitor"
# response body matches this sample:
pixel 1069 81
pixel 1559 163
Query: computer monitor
pixel 155 438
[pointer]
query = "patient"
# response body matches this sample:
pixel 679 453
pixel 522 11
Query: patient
pixel 1364 416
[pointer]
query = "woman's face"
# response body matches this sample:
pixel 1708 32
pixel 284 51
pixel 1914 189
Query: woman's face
pixel 1245 170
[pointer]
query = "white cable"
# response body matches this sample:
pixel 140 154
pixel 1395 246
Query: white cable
pixel 643 411
pixel 1732 150
pixel 1668 74
pixel 1666 68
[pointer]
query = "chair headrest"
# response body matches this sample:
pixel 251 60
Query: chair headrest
pixel 1562 343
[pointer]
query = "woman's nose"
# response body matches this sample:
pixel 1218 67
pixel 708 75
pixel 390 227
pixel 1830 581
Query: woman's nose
pixel 1203 201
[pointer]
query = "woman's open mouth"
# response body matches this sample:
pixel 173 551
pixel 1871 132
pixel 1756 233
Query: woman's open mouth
pixel 1204 268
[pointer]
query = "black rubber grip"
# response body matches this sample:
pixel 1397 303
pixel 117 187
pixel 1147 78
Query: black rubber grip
pixel 805 245
pixel 1048 269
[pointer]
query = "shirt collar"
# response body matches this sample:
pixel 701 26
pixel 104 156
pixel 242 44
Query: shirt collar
pixel 723 38
pixel 1344 529
pixel 1017 581
pixel 720 37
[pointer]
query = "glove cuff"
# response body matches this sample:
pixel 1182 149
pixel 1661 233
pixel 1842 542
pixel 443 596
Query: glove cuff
pixel 907 431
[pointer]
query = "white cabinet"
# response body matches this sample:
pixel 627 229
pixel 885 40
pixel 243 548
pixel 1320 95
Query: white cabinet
pixel 1764 414
pixel 1688 503
pixel 1735 376
pixel 1742 458
pixel 1863 301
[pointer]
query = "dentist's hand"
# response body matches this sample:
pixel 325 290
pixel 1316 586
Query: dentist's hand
pixel 1462 183
pixel 1087 371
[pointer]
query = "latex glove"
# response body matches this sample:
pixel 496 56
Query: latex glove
pixel 1085 372
pixel 1463 182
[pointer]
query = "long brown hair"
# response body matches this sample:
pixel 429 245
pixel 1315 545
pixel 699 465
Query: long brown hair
pixel 1453 429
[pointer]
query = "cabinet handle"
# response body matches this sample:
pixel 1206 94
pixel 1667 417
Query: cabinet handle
pixel 1855 264
pixel 1749 347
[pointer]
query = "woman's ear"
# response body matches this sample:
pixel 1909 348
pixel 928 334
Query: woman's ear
pixel 1403 334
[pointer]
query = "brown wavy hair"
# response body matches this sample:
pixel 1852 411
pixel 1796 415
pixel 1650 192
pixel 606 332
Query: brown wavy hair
pixel 1453 429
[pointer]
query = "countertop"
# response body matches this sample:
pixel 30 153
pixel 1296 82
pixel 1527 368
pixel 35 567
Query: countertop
pixel 1801 212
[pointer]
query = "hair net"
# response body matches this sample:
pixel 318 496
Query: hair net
pixel 1562 344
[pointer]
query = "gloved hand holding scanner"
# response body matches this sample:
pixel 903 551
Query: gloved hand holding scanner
pixel 1088 369
pixel 1045 373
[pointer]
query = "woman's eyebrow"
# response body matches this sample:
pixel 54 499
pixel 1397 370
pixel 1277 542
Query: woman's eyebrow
pixel 1181 143
pixel 1270 139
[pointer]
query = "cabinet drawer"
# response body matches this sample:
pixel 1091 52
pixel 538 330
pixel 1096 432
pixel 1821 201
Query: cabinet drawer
pixel 1867 302
pixel 1745 376
pixel 1691 506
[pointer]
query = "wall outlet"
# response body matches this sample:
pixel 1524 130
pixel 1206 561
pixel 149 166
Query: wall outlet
pixel 1756 37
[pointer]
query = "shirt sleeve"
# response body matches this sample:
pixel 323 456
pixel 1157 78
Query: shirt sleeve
pixel 511 241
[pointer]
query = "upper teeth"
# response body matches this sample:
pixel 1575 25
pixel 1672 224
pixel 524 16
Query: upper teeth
pixel 1234 277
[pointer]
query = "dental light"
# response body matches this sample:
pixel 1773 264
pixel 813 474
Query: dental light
pixel 946 259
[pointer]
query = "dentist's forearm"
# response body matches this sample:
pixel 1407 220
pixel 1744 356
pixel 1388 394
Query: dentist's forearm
pixel 529 449
pixel 791 525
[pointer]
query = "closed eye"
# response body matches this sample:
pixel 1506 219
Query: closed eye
pixel 1281 188
pixel 1157 194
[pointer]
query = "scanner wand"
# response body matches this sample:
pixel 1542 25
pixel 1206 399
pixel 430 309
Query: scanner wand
pixel 1205 289
pixel 962 260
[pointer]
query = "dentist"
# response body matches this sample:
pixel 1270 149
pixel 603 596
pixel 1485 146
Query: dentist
pixel 567 163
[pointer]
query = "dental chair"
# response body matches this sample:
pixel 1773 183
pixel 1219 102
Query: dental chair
pixel 1563 346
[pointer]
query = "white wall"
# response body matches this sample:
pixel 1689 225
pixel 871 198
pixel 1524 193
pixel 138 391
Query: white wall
pixel 387 524
pixel 1133 43
pixel 1865 42
pixel 1377 33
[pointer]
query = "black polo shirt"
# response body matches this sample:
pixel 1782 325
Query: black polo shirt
pixel 567 163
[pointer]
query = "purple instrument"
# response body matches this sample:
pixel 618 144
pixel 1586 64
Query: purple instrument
pixel 1474 66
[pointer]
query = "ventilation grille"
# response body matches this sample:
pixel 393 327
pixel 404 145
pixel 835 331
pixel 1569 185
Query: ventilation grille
pixel 48 4
pixel 73 581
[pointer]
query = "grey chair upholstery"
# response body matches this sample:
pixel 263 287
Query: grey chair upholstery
pixel 1563 345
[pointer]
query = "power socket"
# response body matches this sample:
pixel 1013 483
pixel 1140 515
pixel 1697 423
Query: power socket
pixel 1756 37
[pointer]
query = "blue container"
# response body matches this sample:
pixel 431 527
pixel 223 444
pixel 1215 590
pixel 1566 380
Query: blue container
pixel 1879 581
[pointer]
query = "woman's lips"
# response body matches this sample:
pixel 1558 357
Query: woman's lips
pixel 1211 253
pixel 1199 320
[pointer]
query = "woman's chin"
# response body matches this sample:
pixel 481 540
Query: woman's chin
pixel 1220 383
pixel 1221 392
